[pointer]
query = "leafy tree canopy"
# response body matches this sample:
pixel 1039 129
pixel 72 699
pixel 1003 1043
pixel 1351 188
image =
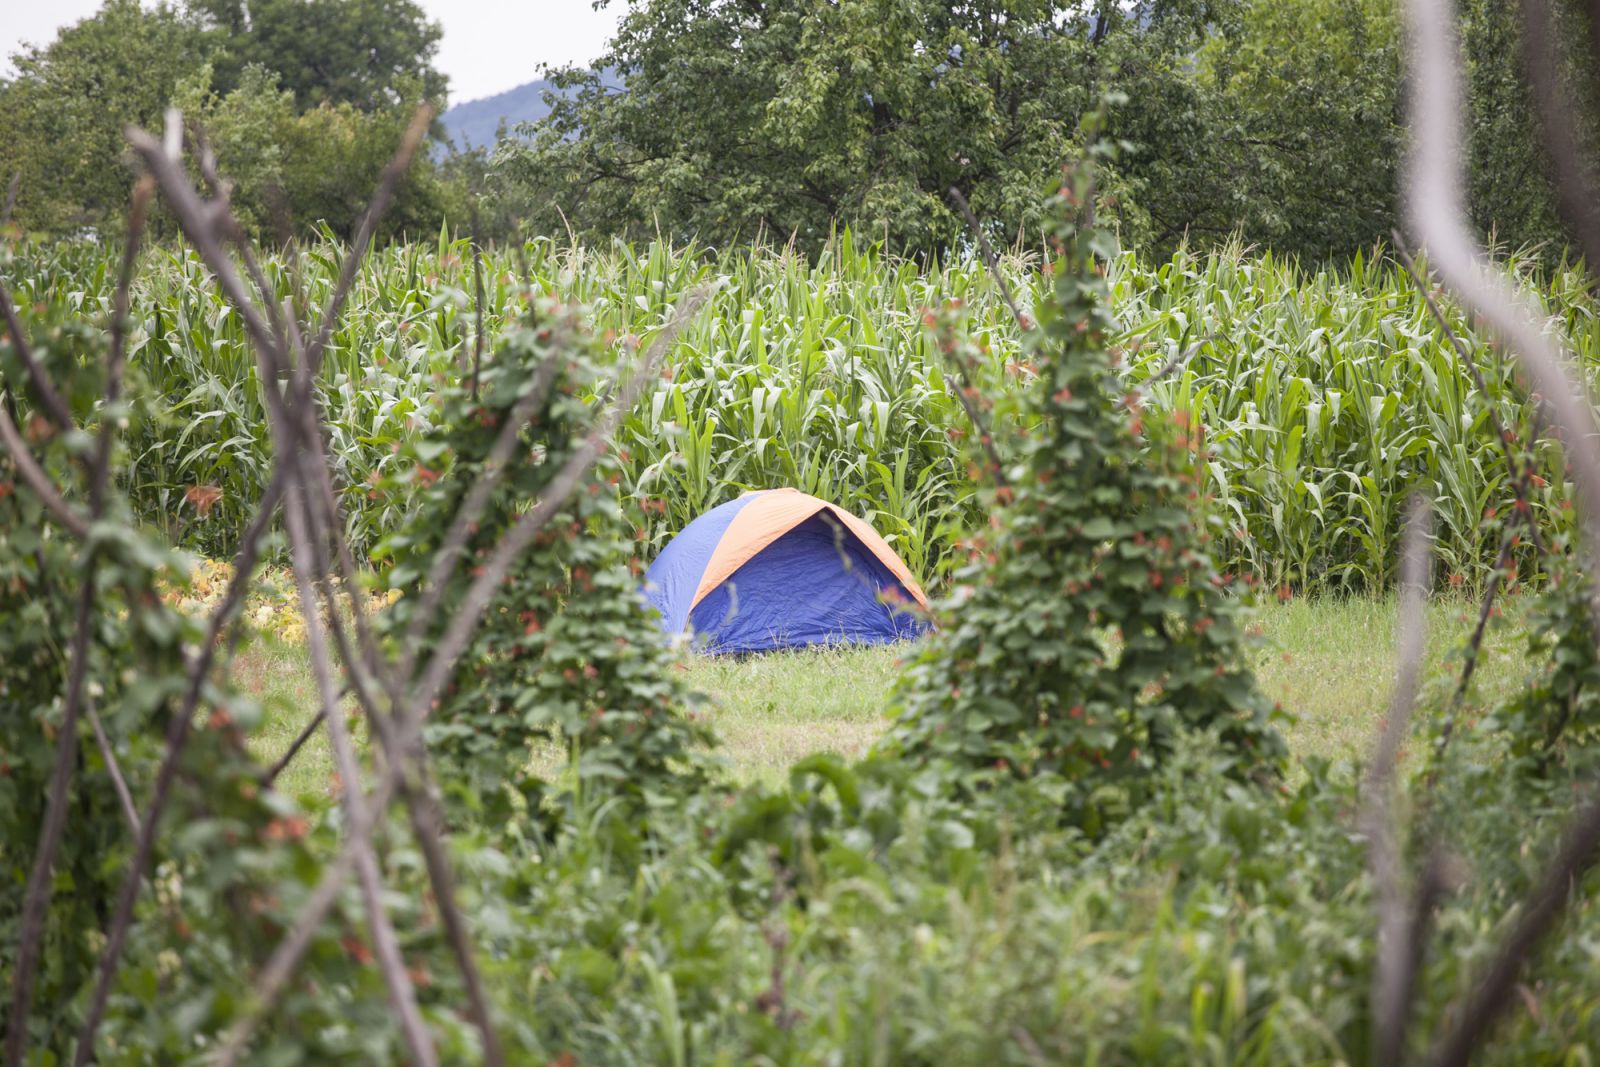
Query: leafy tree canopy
pixel 372 54
pixel 1278 120
pixel 782 116
pixel 62 117
pixel 304 101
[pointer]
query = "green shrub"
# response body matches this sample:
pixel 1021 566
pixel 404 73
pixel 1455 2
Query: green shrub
pixel 568 652
pixel 1089 632
pixel 227 846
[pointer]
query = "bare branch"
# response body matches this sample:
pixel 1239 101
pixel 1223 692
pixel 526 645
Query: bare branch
pixel 36 897
pixel 465 618
pixel 38 480
pixel 113 768
pixel 1493 996
pixel 315 523
pixel 1516 476
pixel 477 302
pixel 44 391
pixel 386 946
pixel 36 902
pixel 477 499
pixel 199 223
pixel 1436 207
pixel 295 746
pixel 280 967
pixel 1576 191
pixel 965 391
pixel 990 261
pixel 178 729
pixel 1181 359
pixel 381 197
pixel 287 956
pixel 421 805
pixel 100 466
pixel 1391 993
pixel 1504 565
pixel 428 822
pixel 221 193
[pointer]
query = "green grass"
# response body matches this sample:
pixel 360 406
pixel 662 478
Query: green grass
pixel 1329 662
pixel 772 710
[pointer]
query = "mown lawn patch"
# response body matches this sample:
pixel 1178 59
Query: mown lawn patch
pixel 1329 661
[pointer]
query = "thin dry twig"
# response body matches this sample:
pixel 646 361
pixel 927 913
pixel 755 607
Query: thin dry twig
pixel 280 967
pixel 327 531
pixel 283 761
pixel 100 465
pixel 427 819
pixel 1516 475
pixel 1030 1047
pixel 477 499
pixel 36 897
pixel 317 522
pixel 477 301
pixel 36 900
pixel 991 261
pixel 386 946
pixel 1436 207
pixel 114 769
pixel 44 390
pixel 1576 191
pixel 1503 566
pixel 1391 994
pixel 178 729
pixel 965 392
pixel 1492 997
pixel 465 618
pixel 388 182
pixel 38 480
pixel 1181 359
pixel 421 805
pixel 199 223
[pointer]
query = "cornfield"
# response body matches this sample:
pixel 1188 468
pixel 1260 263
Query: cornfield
pixel 1324 398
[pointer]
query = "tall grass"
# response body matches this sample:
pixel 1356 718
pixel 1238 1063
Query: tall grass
pixel 1326 396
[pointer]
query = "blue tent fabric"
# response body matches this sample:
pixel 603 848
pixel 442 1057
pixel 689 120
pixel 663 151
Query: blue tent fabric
pixel 816 583
pixel 671 581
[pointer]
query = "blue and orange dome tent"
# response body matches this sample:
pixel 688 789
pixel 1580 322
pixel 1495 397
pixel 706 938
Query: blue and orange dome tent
pixel 780 569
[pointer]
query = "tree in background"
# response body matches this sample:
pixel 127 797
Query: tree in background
pixel 302 137
pixel 62 117
pixel 371 54
pixel 294 168
pixel 1277 120
pixel 780 117
pixel 1294 136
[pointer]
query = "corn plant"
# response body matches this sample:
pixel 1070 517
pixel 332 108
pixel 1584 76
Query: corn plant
pixel 1322 397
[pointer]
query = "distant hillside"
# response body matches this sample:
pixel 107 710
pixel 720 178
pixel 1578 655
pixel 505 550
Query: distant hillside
pixel 473 124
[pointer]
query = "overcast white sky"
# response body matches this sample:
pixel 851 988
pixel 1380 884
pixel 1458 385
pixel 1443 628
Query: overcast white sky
pixel 489 45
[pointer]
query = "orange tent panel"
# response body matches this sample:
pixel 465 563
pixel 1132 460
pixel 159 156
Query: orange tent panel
pixel 774 514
